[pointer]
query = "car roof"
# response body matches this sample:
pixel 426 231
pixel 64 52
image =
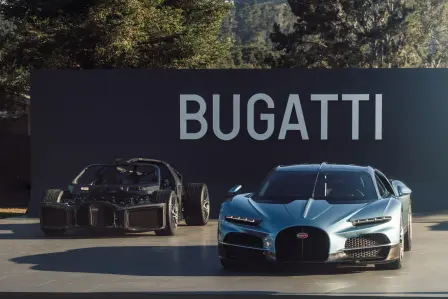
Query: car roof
pixel 325 167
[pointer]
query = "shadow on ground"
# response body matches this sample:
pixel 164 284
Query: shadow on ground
pixel 31 231
pixel 161 261
pixel 441 226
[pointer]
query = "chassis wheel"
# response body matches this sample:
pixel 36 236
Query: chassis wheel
pixel 172 212
pixel 197 205
pixel 408 234
pixel 54 195
pixel 397 264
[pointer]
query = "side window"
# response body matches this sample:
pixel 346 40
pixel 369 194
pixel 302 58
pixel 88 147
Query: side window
pixel 386 183
pixel 381 188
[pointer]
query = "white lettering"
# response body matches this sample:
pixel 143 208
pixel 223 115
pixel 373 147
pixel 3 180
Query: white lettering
pixel 293 106
pixel 324 99
pixel 293 103
pixel 378 117
pixel 198 116
pixel 355 99
pixel 269 118
pixel 236 118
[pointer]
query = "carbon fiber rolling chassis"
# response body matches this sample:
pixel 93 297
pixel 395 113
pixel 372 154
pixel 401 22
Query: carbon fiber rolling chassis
pixel 91 214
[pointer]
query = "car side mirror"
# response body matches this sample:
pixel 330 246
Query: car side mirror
pixel 234 191
pixel 403 190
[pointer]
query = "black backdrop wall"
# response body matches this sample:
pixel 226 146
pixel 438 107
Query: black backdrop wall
pixel 83 117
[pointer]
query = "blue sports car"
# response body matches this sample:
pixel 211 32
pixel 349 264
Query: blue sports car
pixel 327 213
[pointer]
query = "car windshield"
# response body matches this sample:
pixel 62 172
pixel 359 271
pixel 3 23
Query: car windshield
pixel 119 175
pixel 326 185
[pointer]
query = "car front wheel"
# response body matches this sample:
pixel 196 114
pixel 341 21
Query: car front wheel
pixel 408 234
pixel 398 263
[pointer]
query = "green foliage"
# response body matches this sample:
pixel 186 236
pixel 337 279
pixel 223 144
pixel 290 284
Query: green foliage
pixel 249 25
pixel 427 36
pixel 87 34
pixel 363 33
pixel 14 80
pixel 119 33
pixel 182 34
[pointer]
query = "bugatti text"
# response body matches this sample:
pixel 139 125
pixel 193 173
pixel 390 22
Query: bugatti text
pixel 293 106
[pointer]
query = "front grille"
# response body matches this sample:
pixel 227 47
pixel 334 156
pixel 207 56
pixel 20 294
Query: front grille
pixel 367 241
pixel 83 215
pixel 102 215
pixel 243 240
pixel 374 253
pixel 289 248
pixel 95 215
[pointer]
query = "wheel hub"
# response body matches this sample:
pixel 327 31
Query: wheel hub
pixel 174 213
pixel 401 243
pixel 206 205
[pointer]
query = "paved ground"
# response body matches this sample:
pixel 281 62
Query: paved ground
pixel 188 263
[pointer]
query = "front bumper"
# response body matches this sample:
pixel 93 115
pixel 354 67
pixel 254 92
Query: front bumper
pixel 251 254
pixel 345 245
pixel 104 215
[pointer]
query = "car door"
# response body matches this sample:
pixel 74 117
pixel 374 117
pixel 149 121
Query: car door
pixel 382 190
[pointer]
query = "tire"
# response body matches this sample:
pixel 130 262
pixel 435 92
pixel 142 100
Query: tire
pixel 396 264
pixel 172 212
pixel 197 205
pixel 408 234
pixel 54 196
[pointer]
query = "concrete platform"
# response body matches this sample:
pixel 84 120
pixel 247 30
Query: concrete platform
pixel 188 263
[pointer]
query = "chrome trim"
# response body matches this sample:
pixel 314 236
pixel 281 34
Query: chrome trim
pixel 369 247
pixel 394 252
pixel 243 246
pixel 244 220
pixel 373 220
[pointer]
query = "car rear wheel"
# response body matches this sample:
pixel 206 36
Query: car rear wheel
pixel 197 205
pixel 171 213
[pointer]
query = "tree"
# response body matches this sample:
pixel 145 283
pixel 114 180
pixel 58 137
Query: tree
pixel 118 33
pixel 345 33
pixel 428 32
pixel 13 79
pixel 248 25
pixel 87 34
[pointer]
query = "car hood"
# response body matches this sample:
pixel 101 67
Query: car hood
pixel 320 213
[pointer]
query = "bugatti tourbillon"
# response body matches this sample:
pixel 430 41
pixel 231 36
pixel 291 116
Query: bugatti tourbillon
pixel 327 213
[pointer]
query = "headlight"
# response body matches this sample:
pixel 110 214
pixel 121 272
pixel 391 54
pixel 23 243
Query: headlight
pixel 243 220
pixel 376 220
